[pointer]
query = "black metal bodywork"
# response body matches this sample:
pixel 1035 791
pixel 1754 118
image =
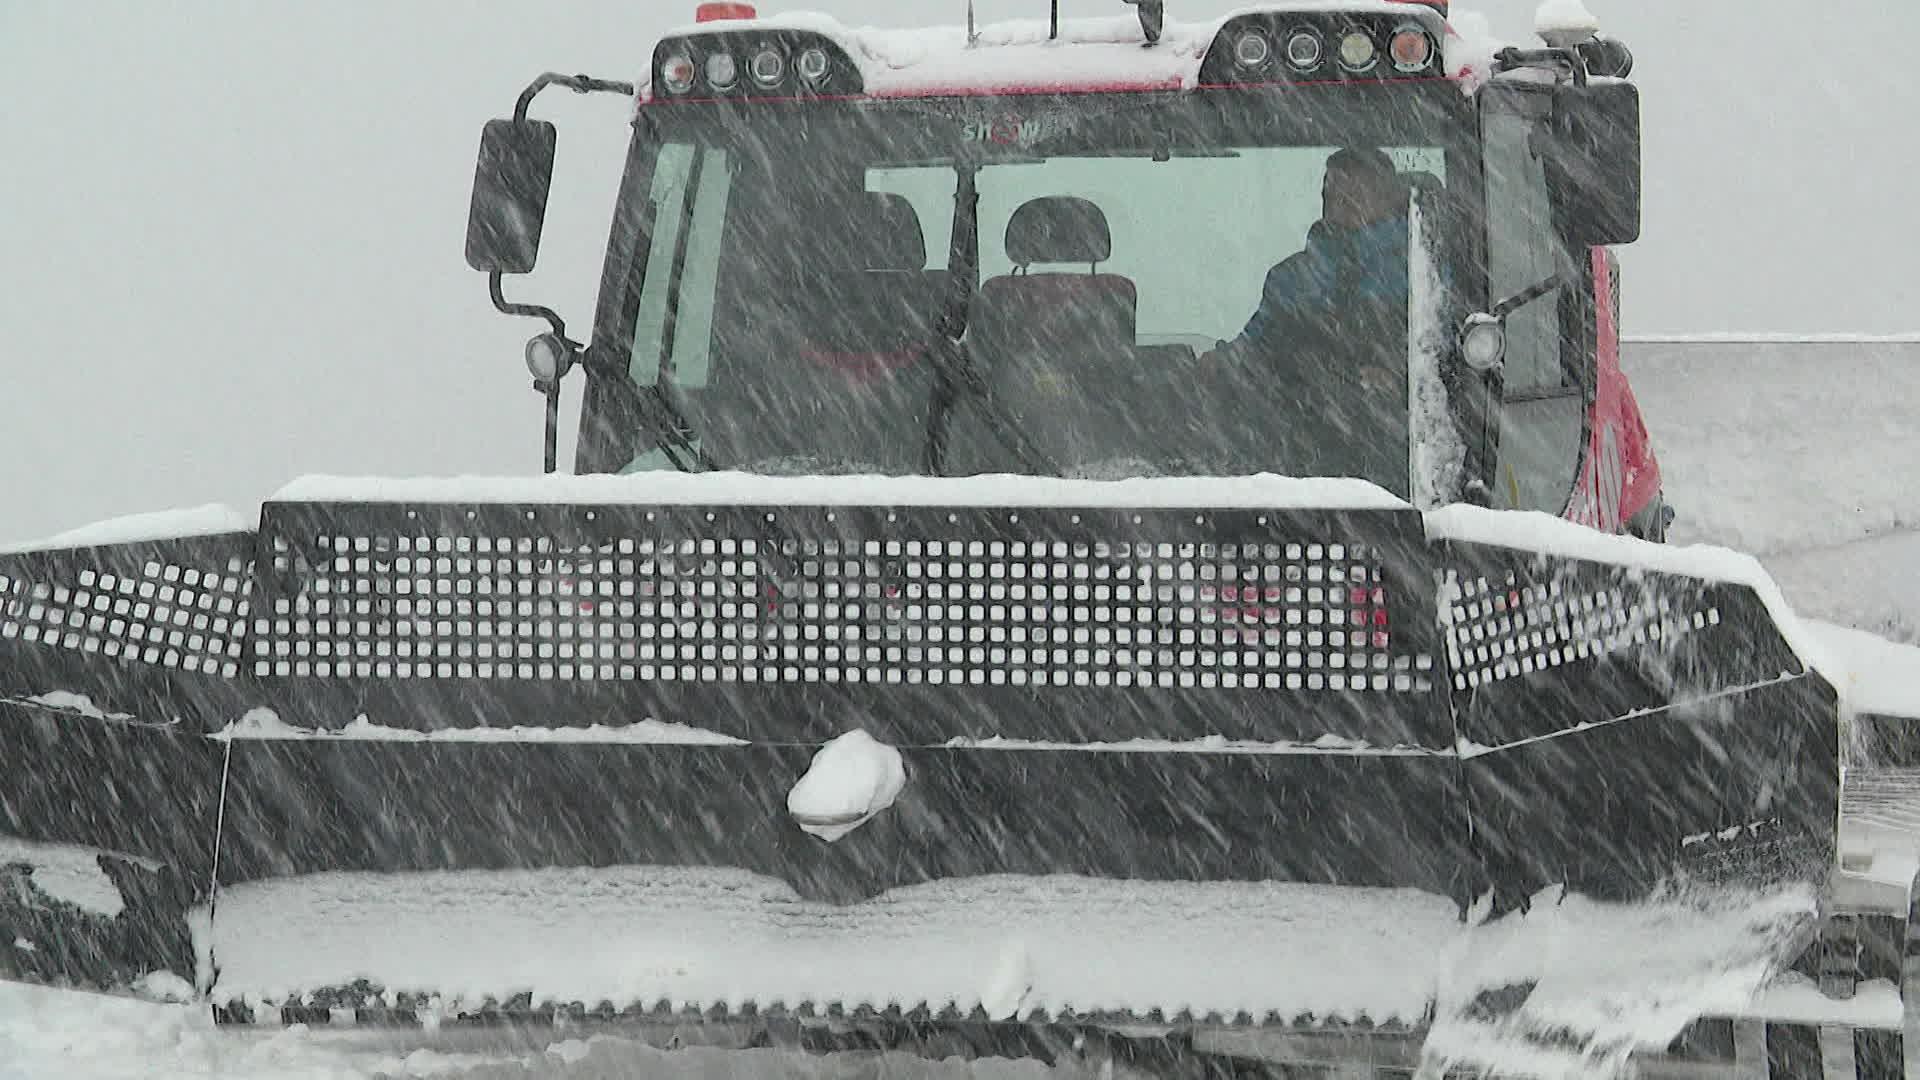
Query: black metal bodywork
pixel 1552 720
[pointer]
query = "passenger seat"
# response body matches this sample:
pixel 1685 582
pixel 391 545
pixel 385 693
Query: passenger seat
pixel 1027 313
pixel 1056 348
pixel 875 312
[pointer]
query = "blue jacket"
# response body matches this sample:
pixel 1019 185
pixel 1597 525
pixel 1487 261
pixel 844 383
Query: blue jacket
pixel 1367 263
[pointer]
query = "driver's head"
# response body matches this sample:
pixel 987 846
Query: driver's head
pixel 1361 187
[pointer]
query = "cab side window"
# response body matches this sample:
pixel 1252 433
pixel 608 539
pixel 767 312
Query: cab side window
pixel 674 326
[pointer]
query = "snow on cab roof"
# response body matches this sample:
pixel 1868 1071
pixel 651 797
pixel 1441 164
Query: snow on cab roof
pixel 1095 54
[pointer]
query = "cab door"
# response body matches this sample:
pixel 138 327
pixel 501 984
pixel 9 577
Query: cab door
pixel 1537 280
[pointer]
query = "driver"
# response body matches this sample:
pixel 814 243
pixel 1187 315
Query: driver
pixel 1356 251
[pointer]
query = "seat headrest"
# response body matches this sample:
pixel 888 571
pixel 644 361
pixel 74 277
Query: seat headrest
pixel 891 235
pixel 1058 229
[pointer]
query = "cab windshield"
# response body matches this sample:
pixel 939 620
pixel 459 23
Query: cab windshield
pixel 1079 286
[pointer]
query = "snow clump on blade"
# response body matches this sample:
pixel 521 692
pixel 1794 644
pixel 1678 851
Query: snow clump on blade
pixel 852 778
pixel 209 520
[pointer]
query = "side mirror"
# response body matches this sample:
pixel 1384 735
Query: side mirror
pixel 510 184
pixel 1606 57
pixel 1597 128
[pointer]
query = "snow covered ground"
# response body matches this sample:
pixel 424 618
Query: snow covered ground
pixel 1805 455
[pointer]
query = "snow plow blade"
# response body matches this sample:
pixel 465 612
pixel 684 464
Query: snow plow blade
pixel 1097 765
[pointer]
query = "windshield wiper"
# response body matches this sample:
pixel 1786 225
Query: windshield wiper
pixel 955 375
pixel 1527 296
pixel 669 429
pixel 648 408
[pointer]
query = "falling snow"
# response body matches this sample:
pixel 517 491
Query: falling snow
pixel 758 842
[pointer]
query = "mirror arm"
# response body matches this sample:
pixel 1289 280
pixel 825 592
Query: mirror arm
pixel 1509 59
pixel 579 84
pixel 536 311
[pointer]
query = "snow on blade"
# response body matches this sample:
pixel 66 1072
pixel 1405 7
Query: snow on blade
pixel 67 701
pixel 46 1032
pixel 261 724
pixel 1599 979
pixel 1602 980
pixel 66 872
pixel 209 520
pixel 1795 999
pixel 1873 674
pixel 852 778
pixel 1210 744
pixel 1012 981
pixel 163 986
pixel 266 724
pixel 1263 492
pixel 55 1033
pixel 1548 535
pixel 720 936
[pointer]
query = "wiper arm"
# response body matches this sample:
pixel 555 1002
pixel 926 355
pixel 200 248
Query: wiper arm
pixel 669 429
pixel 954 373
pixel 1527 296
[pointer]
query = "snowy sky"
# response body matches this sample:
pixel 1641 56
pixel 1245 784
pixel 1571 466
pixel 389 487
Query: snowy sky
pixel 236 229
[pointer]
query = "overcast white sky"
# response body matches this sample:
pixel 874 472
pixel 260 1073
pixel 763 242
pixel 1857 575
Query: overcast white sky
pixel 234 230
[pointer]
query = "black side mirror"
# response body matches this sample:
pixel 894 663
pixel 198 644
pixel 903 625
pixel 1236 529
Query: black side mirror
pixel 1606 57
pixel 510 184
pixel 1597 129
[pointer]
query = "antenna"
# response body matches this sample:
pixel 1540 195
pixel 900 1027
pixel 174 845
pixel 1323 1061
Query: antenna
pixel 1053 21
pixel 971 35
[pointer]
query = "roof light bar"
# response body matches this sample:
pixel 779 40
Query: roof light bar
pixel 751 62
pixel 1325 47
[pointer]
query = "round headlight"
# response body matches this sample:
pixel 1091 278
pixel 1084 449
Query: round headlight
pixel 548 358
pixel 1305 50
pixel 676 73
pixel 767 67
pixel 1483 342
pixel 722 71
pixel 1357 51
pixel 1411 48
pixel 814 66
pixel 1251 50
